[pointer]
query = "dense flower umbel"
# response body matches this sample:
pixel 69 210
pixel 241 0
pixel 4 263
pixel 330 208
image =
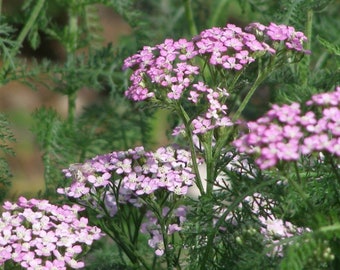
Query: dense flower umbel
pixel 285 132
pixel 38 235
pixel 292 39
pixel 136 172
pixel 168 71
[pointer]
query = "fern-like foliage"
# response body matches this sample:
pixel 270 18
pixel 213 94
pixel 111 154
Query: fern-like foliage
pixel 313 250
pixel 48 130
pixel 102 128
pixel 94 28
pixel 6 137
pixel 7 43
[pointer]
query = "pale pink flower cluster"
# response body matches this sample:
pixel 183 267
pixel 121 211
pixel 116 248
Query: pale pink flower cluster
pixel 168 72
pixel 152 227
pixel 285 132
pixel 38 235
pixel 272 228
pixel 132 173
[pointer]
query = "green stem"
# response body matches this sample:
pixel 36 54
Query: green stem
pixel 190 17
pixel 0 15
pixel 330 228
pixel 210 164
pixel 260 78
pixel 297 172
pixel 117 234
pixel 123 243
pixel 217 12
pixel 336 181
pixel 22 35
pixel 220 144
pixel 73 32
pixel 298 188
pixel 186 121
pixel 71 108
pixel 232 207
pixel 335 168
pixel 157 210
pixel 71 47
pixel 306 62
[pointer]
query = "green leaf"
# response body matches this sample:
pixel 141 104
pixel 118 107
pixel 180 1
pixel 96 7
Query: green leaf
pixel 332 48
pixel 6 137
pixel 34 39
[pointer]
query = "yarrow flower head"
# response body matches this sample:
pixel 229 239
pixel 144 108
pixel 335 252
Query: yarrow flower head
pixel 132 173
pixel 292 39
pixel 167 72
pixel 38 235
pixel 285 132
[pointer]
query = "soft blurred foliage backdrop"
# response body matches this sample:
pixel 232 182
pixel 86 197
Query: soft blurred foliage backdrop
pixel 19 101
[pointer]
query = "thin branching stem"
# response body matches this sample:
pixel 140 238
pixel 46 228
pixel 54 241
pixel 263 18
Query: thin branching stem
pixel 186 121
pixel 23 33
pixel 232 207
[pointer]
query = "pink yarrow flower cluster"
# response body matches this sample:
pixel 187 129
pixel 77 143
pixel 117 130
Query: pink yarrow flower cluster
pixel 292 39
pixel 134 173
pixel 168 72
pixel 285 132
pixel 38 235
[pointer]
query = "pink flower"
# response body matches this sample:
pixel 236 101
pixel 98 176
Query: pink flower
pixel 169 64
pixel 278 32
pixel 173 228
pixel 38 236
pixel 285 133
pixel 230 63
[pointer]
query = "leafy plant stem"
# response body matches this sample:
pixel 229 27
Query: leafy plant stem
pixel 260 78
pixel 231 208
pixel 163 227
pixel 298 188
pixel 217 12
pixel 222 142
pixel 297 172
pixel 23 33
pixel 117 234
pixel 335 169
pixel 306 63
pixel 190 17
pixel 71 98
pixel 71 49
pixel 210 164
pixel 186 121
pixel 124 243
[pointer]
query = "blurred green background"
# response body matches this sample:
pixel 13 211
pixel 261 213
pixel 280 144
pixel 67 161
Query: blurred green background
pixel 18 102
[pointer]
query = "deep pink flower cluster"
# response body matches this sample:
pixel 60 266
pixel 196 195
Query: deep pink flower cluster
pixel 168 72
pixel 292 39
pixel 285 132
pixel 134 172
pixel 152 227
pixel 38 235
